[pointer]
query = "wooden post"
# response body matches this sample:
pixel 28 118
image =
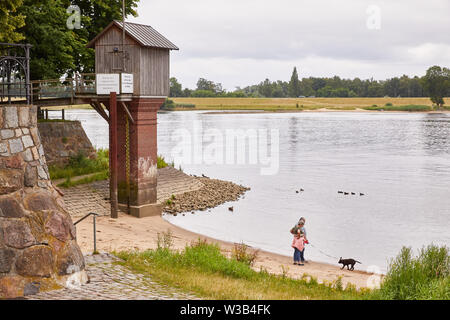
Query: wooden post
pixel 113 154
pixel 63 114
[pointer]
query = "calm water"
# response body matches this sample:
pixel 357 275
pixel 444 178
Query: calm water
pixel 401 162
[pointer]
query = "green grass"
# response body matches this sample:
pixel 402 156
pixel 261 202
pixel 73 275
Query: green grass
pixel 161 163
pixel 201 268
pixel 104 175
pixel 409 108
pixel 424 277
pixel 81 165
pixel 97 169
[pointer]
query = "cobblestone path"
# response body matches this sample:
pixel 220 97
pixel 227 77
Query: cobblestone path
pixel 109 281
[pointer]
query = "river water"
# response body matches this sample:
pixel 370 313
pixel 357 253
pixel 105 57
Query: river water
pixel 399 161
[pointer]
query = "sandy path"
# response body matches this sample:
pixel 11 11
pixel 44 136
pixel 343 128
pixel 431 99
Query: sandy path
pixel 129 233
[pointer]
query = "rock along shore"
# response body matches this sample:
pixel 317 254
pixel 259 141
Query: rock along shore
pixel 213 193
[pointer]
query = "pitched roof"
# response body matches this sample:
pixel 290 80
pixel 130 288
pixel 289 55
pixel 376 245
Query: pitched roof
pixel 143 34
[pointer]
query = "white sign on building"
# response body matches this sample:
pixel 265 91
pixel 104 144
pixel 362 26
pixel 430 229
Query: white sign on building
pixel 107 83
pixel 127 83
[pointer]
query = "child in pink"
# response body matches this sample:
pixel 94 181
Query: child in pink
pixel 299 246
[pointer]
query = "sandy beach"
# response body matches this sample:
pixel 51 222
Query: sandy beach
pixel 129 233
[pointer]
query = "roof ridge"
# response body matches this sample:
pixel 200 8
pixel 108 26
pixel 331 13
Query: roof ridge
pixel 138 24
pixel 144 34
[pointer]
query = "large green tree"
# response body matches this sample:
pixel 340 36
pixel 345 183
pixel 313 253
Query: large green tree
pixel 176 89
pixel 58 50
pixel 294 85
pixel 10 21
pixel 437 84
pixel 52 54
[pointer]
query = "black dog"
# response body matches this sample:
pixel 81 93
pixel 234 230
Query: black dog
pixel 348 262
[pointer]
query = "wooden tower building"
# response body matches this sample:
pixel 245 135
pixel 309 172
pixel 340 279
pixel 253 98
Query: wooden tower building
pixel 140 58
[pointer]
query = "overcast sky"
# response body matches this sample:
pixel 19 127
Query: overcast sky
pixel 242 42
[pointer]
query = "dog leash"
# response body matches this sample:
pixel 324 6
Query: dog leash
pixel 323 252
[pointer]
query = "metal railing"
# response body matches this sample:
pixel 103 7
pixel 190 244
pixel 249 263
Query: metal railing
pixel 44 114
pixel 95 228
pixel 63 88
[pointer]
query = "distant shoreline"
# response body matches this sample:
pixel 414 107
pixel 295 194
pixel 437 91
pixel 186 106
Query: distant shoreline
pixel 294 105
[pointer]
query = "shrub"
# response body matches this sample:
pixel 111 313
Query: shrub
pixel 164 240
pixel 168 105
pixel 239 253
pixel 424 277
pixel 161 163
pixel 81 165
pixel 185 105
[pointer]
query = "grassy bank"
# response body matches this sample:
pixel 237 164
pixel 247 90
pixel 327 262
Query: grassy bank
pixel 81 165
pixel 90 170
pixel 202 269
pixel 422 277
pixel 299 104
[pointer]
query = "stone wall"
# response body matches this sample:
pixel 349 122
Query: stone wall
pixel 65 139
pixel 38 249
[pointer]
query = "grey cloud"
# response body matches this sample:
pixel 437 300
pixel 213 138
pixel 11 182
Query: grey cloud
pixel 290 30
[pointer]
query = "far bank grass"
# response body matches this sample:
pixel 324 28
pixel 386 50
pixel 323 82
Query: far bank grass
pixel 299 104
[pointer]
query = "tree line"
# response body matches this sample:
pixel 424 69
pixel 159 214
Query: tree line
pixel 404 86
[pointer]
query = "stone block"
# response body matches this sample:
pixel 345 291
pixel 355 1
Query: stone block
pixel 3 147
pixel 11 180
pixel 27 155
pixel 58 226
pixel 40 201
pixel 10 286
pixel 14 162
pixel 144 211
pixel 25 131
pixel 15 146
pixel 43 184
pixel 35 134
pixel 30 177
pixel 41 150
pixel 24 116
pixel 17 234
pixel 11 119
pixel 71 261
pixel 33 115
pixel 31 288
pixel 6 260
pixel 41 172
pixel 7 133
pixel 35 153
pixel 27 141
pixel 36 261
pixel 10 208
pixel 18 132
